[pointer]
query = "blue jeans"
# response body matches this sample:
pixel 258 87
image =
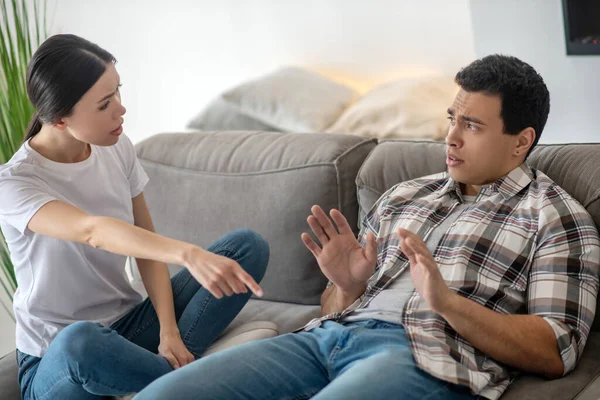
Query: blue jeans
pixel 359 360
pixel 89 361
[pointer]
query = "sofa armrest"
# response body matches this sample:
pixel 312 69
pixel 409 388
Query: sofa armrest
pixel 591 391
pixel 9 386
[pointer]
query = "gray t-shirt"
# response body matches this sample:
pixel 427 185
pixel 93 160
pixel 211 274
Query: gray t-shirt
pixel 388 304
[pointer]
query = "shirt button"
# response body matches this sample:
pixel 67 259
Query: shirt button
pixel 437 259
pixel 408 312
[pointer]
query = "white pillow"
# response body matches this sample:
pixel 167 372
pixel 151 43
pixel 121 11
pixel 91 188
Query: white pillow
pixel 405 109
pixel 292 100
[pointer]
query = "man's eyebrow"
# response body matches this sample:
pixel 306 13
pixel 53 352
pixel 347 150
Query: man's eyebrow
pixel 467 118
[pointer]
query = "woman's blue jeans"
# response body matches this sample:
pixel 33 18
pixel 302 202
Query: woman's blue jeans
pixel 88 361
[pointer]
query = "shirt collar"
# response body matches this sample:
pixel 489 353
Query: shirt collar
pixel 508 186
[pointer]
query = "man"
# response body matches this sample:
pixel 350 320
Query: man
pixel 457 280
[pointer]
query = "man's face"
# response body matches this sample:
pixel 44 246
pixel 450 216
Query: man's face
pixel 478 152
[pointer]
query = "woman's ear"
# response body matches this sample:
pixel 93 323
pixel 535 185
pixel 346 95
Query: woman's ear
pixel 60 125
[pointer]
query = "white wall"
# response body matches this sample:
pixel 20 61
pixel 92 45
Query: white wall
pixel 174 56
pixel 533 31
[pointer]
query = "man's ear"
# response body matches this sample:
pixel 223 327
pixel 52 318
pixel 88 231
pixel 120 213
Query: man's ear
pixel 525 140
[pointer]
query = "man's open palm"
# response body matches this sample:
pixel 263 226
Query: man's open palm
pixel 341 257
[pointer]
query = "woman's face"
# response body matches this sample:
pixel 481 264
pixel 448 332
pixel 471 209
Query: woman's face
pixel 97 117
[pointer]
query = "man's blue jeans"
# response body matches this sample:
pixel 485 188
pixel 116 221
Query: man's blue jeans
pixel 88 361
pixel 360 360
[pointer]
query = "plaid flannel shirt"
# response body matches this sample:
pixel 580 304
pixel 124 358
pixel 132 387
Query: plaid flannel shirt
pixel 524 247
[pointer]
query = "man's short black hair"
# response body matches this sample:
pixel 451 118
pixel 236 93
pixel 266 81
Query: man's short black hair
pixel 523 93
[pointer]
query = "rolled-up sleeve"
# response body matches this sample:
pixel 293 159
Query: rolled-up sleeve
pixel 563 280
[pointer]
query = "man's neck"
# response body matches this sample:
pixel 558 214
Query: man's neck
pixel 469 190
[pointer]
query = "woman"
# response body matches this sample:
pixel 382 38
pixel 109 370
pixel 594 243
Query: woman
pixel 72 209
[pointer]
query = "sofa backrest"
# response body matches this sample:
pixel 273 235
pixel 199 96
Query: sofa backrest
pixel 205 184
pixel 574 167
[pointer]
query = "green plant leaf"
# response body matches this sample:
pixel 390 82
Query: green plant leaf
pixel 23 26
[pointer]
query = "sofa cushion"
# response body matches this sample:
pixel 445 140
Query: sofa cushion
pixel 9 386
pixel 394 161
pixel 203 185
pixel 247 332
pixel 288 317
pixel 574 167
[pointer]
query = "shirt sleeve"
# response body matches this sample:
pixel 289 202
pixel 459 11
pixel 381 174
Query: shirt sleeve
pixel 563 280
pixel 20 200
pixel 138 179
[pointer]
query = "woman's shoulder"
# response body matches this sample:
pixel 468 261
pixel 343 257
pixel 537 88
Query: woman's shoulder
pixel 21 164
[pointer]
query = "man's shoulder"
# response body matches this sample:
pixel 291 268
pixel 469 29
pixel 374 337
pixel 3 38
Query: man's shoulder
pixel 548 191
pixel 555 203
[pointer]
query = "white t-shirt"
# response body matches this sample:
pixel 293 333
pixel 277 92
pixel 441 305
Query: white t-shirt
pixel 61 282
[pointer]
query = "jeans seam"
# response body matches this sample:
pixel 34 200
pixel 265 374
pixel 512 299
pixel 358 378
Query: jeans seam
pixel 143 327
pixel 66 376
pixel 187 335
pixel 336 350
pixel 227 251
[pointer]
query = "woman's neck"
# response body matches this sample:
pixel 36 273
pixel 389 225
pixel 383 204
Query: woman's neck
pixel 59 146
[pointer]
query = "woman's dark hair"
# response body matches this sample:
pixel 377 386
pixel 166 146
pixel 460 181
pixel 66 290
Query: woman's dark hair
pixel 60 72
pixel 524 95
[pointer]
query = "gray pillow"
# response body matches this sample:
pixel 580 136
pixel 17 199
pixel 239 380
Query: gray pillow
pixel 293 100
pixel 219 115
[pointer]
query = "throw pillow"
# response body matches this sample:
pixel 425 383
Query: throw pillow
pixel 292 100
pixel 219 115
pixel 405 109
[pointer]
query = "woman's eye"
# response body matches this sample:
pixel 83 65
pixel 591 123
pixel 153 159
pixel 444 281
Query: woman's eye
pixel 105 106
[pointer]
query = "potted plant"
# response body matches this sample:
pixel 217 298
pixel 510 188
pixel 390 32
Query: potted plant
pixel 22 29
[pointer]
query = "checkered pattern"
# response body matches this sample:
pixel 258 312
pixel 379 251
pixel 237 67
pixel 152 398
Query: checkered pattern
pixel 524 247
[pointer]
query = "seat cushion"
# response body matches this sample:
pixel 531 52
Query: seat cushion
pixel 244 333
pixel 288 317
